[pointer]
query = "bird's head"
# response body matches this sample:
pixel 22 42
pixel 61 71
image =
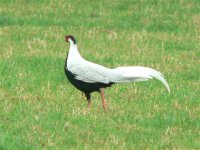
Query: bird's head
pixel 70 39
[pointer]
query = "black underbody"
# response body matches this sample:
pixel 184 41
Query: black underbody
pixel 85 87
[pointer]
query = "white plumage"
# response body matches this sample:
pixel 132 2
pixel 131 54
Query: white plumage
pixel 89 72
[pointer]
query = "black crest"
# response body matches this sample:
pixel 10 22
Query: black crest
pixel 70 37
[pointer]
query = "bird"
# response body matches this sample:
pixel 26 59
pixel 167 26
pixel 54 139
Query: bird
pixel 89 77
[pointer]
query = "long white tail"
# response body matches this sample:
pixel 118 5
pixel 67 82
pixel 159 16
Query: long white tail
pixel 136 74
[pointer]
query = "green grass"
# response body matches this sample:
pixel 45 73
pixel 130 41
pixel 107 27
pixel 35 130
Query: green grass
pixel 40 109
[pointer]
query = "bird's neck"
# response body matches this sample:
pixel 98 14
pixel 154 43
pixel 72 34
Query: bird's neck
pixel 73 55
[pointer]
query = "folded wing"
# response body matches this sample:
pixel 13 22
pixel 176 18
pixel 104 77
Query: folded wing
pixel 92 73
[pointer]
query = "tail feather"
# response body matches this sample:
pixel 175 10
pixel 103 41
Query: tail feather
pixel 137 73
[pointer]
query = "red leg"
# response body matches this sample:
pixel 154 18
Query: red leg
pixel 103 98
pixel 88 99
pixel 89 103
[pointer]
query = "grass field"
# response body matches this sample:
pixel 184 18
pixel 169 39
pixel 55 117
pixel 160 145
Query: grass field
pixel 40 109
